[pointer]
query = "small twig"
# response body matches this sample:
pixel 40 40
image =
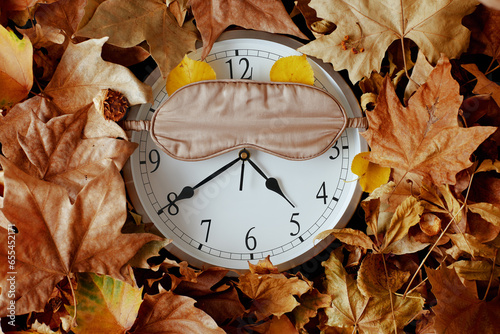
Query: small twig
pixel 73 320
pixel 390 294
pixel 491 275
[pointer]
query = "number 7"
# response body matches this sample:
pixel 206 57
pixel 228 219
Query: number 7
pixel 209 221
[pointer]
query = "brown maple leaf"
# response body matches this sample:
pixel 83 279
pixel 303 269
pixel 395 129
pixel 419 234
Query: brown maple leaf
pixel 272 294
pixel 171 313
pixel 435 26
pixel 423 138
pixel 458 308
pixel 128 23
pixel 483 85
pixel 57 238
pixel 214 16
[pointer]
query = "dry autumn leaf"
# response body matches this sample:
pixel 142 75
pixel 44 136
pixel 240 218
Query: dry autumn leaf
pixel 292 69
pixel 352 311
pixel 458 308
pixel 371 176
pixel 16 74
pixel 214 16
pixel 82 74
pixel 104 305
pixel 188 71
pixel 423 138
pixel 171 313
pixel 272 294
pixel 484 24
pixel 128 23
pixel 58 238
pixel 484 85
pixel 368 29
pixel 310 303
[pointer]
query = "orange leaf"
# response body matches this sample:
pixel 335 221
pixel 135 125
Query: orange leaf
pixel 423 138
pixel 58 238
pixel 16 74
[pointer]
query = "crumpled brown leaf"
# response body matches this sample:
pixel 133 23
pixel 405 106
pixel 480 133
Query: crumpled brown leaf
pixel 423 138
pixel 272 294
pixel 458 308
pixel 58 238
pixel 82 74
pixel 171 313
pixel 214 16
pixel 128 23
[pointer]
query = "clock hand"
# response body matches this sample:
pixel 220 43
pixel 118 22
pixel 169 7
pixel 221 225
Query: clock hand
pixel 271 183
pixel 188 191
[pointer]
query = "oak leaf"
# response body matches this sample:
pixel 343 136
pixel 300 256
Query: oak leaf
pixel 351 310
pixel 423 138
pixel 82 74
pixel 370 30
pixel 58 238
pixel 171 313
pixel 272 294
pixel 104 304
pixel 458 308
pixel 128 23
pixel 16 74
pixel 214 16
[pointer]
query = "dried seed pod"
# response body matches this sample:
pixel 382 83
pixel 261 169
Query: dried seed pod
pixel 115 105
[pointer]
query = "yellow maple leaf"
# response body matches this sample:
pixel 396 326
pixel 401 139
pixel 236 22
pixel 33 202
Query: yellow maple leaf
pixel 188 71
pixel 292 69
pixel 371 175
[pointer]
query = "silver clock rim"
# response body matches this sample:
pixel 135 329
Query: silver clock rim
pixel 353 104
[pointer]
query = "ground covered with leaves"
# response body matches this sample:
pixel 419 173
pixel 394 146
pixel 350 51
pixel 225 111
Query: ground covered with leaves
pixel 419 256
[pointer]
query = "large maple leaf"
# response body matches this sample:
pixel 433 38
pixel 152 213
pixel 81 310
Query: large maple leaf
pixel 128 23
pixel 434 25
pixel 57 238
pixel 214 16
pixel 423 138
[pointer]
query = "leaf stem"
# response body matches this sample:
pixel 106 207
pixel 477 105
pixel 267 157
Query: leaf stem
pixel 390 294
pixel 491 275
pixel 73 321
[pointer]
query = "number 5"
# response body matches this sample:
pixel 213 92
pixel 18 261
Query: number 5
pixel 296 223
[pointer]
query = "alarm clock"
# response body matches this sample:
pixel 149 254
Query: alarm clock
pixel 245 205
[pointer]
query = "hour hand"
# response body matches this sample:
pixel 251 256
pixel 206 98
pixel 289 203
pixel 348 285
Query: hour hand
pixel 271 183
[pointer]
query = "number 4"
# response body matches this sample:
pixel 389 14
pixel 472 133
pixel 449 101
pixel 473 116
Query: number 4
pixel 322 193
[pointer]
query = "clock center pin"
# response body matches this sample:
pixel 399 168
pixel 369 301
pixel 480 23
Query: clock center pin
pixel 244 154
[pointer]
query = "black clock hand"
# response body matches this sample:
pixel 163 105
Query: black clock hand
pixel 271 183
pixel 188 191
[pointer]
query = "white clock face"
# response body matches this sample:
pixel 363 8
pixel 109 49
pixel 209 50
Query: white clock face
pixel 234 218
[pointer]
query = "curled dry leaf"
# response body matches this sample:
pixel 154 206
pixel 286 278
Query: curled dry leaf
pixel 128 23
pixel 16 74
pixel 480 270
pixel 484 85
pixel 349 236
pixel 310 303
pixel 171 313
pixel 373 279
pixel 423 138
pixel 373 27
pixel 214 16
pixel 82 74
pixel 351 310
pixel 59 238
pixel 272 294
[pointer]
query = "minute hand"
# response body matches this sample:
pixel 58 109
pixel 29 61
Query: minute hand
pixel 271 183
